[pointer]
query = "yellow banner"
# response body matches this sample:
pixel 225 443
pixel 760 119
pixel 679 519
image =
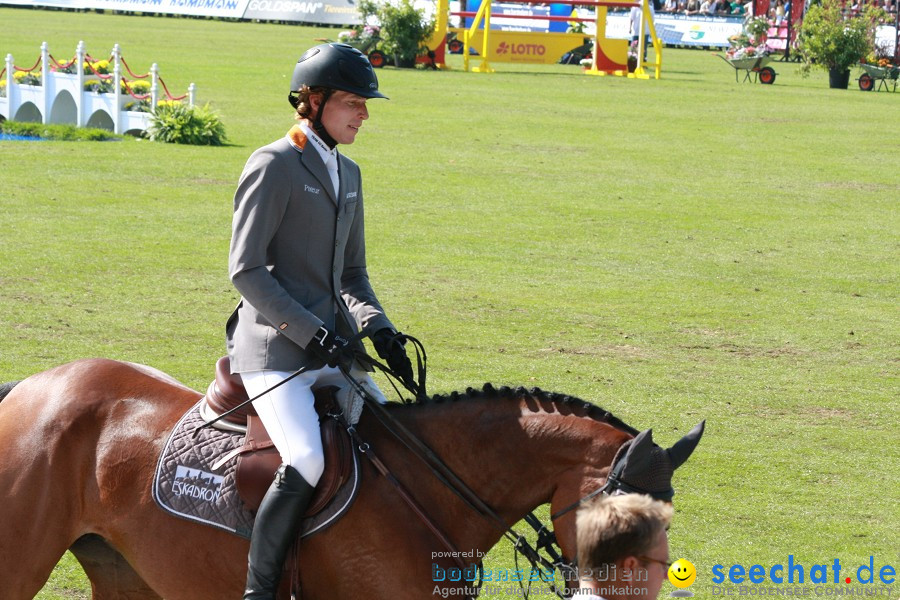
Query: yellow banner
pixel 526 46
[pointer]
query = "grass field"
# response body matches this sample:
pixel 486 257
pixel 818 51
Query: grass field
pixel 673 250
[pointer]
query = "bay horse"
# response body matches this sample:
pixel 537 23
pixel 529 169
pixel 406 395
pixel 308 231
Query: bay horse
pixel 79 444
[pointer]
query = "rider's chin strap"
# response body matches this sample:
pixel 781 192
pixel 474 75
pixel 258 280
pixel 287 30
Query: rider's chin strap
pixel 319 127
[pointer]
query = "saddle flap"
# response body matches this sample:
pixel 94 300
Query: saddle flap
pixel 256 464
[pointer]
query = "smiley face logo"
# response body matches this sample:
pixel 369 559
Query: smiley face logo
pixel 682 573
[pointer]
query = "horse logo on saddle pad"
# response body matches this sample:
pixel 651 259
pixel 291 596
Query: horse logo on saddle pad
pixel 197 484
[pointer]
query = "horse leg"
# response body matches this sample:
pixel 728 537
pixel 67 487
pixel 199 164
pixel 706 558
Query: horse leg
pixel 79 446
pixel 25 563
pixel 112 578
pixel 47 482
pixel 36 505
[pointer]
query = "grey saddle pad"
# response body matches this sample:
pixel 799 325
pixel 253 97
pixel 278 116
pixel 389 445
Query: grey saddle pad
pixel 186 486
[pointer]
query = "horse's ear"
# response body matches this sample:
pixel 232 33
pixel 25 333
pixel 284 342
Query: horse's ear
pixel 637 459
pixel 683 448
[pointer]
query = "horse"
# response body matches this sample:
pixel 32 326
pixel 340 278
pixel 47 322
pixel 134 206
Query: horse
pixel 80 443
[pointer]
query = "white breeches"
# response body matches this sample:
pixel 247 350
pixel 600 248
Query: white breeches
pixel 290 417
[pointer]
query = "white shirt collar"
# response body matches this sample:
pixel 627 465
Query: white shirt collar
pixel 329 155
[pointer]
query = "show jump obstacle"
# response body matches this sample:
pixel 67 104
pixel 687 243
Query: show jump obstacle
pixel 610 56
pixel 59 96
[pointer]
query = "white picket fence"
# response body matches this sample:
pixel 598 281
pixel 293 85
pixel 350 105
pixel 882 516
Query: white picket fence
pixel 61 97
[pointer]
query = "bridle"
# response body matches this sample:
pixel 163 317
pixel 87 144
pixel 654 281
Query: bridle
pixel 545 557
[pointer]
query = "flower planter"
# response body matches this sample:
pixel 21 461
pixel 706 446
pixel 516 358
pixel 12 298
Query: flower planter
pixel 404 63
pixel 839 79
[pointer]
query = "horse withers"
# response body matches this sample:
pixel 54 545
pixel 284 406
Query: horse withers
pixel 80 444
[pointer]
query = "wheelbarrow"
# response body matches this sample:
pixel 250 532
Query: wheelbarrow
pixel 885 76
pixel 754 68
pixel 366 46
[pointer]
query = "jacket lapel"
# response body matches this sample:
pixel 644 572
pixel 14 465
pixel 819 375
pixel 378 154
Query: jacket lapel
pixel 340 198
pixel 311 159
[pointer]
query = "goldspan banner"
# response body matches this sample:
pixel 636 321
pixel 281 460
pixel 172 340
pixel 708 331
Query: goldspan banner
pixel 328 12
pixel 332 12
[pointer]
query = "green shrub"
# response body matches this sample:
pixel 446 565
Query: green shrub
pixel 830 39
pixel 181 124
pixel 404 28
pixel 66 133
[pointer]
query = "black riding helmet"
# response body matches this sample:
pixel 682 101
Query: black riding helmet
pixel 333 67
pixel 336 67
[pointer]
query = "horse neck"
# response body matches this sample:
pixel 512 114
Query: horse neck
pixel 516 453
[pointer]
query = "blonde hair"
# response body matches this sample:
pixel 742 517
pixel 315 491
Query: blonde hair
pixel 301 100
pixel 615 527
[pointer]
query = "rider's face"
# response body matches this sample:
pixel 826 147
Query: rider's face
pixel 343 116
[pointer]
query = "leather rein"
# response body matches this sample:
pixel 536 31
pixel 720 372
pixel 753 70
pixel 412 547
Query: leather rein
pixel 546 538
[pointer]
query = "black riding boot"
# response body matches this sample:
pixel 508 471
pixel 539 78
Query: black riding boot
pixel 276 527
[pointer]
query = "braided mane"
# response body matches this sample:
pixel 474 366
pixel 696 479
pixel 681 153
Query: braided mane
pixel 505 392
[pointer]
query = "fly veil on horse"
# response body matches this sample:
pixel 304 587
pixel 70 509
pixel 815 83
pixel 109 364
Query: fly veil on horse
pixel 81 441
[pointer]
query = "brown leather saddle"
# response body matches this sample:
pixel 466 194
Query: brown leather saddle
pixel 258 459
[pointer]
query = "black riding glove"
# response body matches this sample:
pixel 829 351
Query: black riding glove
pixel 330 348
pixel 389 346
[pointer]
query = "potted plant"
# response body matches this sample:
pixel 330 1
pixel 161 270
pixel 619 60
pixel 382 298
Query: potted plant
pixel 404 28
pixel 834 42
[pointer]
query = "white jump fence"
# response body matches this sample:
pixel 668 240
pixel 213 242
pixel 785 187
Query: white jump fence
pixel 60 97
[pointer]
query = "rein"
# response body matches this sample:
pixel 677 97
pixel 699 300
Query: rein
pixel 546 538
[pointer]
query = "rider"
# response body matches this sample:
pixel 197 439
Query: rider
pixel 298 260
pixel 622 540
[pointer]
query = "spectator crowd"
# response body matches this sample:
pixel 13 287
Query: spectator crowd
pixel 708 8
pixel 778 12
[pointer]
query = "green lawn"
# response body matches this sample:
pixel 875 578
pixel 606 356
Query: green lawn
pixel 675 250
